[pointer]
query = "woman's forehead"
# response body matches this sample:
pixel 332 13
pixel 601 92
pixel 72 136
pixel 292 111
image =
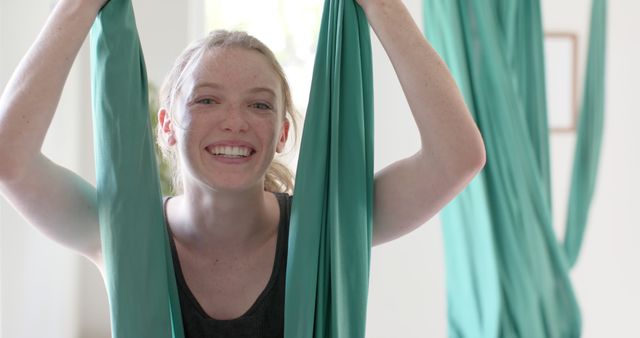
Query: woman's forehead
pixel 233 66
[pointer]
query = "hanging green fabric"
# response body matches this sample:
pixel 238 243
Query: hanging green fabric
pixel 590 129
pixel 140 278
pixel 507 275
pixel 331 219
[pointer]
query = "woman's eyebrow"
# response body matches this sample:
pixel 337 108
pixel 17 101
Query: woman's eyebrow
pixel 267 90
pixel 253 90
pixel 207 84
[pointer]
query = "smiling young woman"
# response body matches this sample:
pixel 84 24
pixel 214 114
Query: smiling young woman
pixel 223 125
pixel 265 90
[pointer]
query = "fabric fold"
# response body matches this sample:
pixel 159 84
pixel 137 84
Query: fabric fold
pixel 507 274
pixel 139 272
pixel 330 236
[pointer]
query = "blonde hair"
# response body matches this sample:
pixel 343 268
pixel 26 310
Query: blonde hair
pixel 279 177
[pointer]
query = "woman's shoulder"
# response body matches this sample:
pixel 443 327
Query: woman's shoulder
pixel 284 202
pixel 284 199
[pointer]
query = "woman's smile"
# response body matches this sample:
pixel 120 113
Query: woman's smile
pixel 231 152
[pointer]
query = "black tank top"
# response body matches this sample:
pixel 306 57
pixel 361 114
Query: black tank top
pixel 265 318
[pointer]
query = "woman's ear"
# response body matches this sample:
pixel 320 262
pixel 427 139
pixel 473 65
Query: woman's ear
pixel 166 127
pixel 284 134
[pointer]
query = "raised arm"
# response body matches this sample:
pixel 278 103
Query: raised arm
pixel 55 200
pixel 412 190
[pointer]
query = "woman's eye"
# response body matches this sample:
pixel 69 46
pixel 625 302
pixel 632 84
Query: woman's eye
pixel 261 106
pixel 206 101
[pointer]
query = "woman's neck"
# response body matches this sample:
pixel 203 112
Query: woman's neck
pixel 212 220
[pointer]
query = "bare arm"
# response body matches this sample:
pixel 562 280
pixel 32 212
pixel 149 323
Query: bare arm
pixel 412 190
pixel 55 200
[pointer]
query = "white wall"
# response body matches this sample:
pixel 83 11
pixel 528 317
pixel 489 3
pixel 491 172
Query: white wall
pixel 407 292
pixel 34 268
pixel 65 296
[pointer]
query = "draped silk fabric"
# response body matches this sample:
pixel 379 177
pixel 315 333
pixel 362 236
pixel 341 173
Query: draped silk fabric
pixel 507 274
pixel 330 239
pixel 331 219
pixel 139 271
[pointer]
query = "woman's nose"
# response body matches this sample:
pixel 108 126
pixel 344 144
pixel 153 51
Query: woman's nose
pixel 234 120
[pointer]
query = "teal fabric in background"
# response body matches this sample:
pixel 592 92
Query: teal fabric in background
pixel 507 274
pixel 590 130
pixel 330 236
pixel 140 278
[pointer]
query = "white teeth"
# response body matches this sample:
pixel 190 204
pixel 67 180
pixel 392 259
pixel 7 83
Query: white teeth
pixel 230 151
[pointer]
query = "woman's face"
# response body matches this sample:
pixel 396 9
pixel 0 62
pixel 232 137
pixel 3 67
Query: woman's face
pixel 229 120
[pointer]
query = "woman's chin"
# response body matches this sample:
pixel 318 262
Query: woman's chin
pixel 233 186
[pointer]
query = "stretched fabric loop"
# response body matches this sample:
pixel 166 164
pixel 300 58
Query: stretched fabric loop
pixel 590 130
pixel 498 233
pixel 140 278
pixel 331 219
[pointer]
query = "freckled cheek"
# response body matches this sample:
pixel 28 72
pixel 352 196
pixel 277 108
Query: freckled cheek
pixel 194 122
pixel 189 134
pixel 260 122
pixel 271 137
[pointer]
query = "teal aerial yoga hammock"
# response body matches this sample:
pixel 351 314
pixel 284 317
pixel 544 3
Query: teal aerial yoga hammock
pixel 330 238
pixel 507 275
pixel 590 130
pixel 139 271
